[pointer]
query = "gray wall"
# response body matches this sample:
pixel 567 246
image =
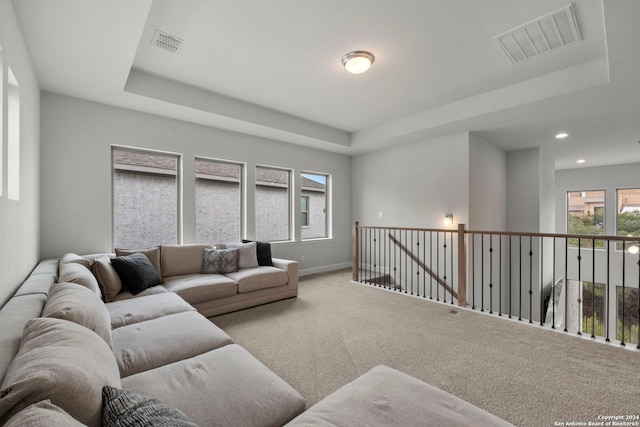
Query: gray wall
pixel 19 245
pixel 413 185
pixel 76 176
pixel 487 185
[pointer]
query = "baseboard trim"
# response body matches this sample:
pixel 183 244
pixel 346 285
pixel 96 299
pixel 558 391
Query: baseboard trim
pixel 323 269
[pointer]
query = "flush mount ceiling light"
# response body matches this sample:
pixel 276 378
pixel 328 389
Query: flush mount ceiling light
pixel 358 61
pixel 562 135
pixel 580 161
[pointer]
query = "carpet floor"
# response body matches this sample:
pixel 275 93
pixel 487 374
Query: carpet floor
pixel 336 330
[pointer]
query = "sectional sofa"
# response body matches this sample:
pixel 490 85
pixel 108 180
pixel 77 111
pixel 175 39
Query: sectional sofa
pixel 77 351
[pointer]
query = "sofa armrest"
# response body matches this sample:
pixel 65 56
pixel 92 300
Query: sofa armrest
pixel 291 267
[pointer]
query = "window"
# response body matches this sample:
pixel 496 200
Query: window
pixel 627 305
pixel 273 206
pixel 585 215
pixel 304 211
pixel 218 201
pixel 628 212
pixel 145 198
pixel 13 138
pixel 314 205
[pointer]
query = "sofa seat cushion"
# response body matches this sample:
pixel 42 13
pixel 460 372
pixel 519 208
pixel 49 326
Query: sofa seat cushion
pixel 154 290
pixel 226 387
pixel 134 310
pixel 63 362
pixel 146 345
pixel 384 396
pixel 253 279
pixel 196 288
pixel 37 284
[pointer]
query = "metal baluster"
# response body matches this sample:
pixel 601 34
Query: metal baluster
pixel 624 248
pixel 552 298
pixel 638 345
pixel 499 275
pixel 482 272
pixel 530 279
pixel 424 259
pixel 431 264
pixel 520 274
pixel 607 293
pixel 593 288
pixel 473 271
pixel 490 273
pixel 579 283
pixel 412 233
pixel 438 264
pixel 566 282
pixel 451 248
pixel 541 280
pixel 444 252
pixel 510 274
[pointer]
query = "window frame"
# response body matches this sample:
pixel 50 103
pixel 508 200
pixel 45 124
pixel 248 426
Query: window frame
pixel 178 184
pixel 328 232
pixel 290 203
pixel 242 182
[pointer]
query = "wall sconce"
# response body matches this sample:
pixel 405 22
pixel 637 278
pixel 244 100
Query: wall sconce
pixel 448 220
pixel 633 249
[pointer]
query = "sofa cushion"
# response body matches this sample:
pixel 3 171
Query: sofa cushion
pixel 136 272
pixel 71 257
pixel 107 276
pixel 196 288
pixel 177 260
pixel 248 254
pixel 227 387
pixel 384 396
pixel 152 253
pixel 146 345
pixel 77 304
pixel 13 316
pixel 220 261
pixel 43 413
pixel 127 408
pixel 252 279
pixel 154 290
pixel 78 273
pixel 63 362
pixel 48 266
pixel 263 251
pixel 37 284
pixel 134 310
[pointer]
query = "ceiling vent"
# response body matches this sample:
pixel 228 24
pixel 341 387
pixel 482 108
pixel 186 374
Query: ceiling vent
pixel 548 32
pixel 167 42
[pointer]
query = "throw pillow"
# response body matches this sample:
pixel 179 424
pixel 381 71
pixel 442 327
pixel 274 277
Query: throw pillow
pixel 152 253
pixel 107 277
pixel 136 272
pixel 63 362
pixel 263 250
pixel 220 261
pixel 124 408
pixel 77 304
pixel 248 257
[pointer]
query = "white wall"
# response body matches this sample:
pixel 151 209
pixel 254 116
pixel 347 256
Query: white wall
pixel 19 219
pixel 523 191
pixel 487 185
pixel 413 185
pixel 76 176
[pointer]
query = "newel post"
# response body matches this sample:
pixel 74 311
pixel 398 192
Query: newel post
pixel 355 261
pixel 462 266
pixel 355 270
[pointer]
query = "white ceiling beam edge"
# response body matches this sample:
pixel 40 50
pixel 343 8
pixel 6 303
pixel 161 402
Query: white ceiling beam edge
pixel 453 117
pixel 242 116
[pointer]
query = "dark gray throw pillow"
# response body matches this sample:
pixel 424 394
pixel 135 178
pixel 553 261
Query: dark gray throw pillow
pixel 264 253
pixel 136 272
pixel 124 408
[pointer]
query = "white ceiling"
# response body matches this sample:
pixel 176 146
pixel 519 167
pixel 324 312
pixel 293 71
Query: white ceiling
pixel 273 69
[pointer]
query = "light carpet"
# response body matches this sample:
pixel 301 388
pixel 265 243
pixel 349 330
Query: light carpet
pixel 336 330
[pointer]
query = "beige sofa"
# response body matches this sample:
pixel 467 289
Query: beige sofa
pixel 60 345
pixel 180 270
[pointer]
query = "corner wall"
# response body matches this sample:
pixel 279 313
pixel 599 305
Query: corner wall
pixel 76 213
pixel 19 219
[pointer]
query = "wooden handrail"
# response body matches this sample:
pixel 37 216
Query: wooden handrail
pixel 422 265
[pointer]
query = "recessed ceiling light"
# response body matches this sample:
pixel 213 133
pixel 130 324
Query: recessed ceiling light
pixel 562 135
pixel 358 61
pixel 580 161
